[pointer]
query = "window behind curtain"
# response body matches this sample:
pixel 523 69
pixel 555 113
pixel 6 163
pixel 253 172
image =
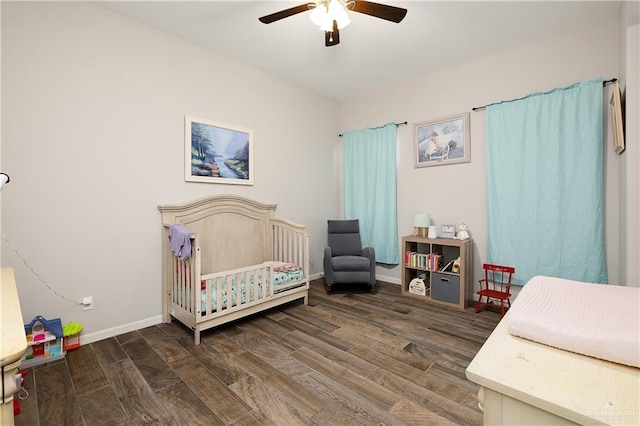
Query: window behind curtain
pixel 545 184
pixel 370 188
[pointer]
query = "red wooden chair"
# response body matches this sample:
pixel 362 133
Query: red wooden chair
pixel 496 285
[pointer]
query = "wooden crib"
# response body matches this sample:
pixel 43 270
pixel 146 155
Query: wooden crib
pixel 238 250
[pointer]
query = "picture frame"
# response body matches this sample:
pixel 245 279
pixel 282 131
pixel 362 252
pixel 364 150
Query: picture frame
pixel 217 152
pixel 442 141
pixel 447 231
pixel 615 112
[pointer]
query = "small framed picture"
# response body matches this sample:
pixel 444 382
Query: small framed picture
pixel 447 231
pixel 442 141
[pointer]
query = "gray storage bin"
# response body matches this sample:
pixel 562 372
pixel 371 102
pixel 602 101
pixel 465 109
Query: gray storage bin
pixel 445 287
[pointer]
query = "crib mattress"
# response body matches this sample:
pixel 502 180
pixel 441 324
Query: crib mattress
pixel 590 319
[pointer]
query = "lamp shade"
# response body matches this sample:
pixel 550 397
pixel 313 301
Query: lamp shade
pixel 421 220
pixel 339 14
pixel 319 14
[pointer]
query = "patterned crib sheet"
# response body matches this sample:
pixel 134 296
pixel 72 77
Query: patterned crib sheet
pixel 284 274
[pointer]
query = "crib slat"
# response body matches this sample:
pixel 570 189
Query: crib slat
pixel 260 282
pixel 173 284
pixel 207 297
pixel 253 290
pixel 182 284
pixel 190 288
pixel 230 290
pixel 218 288
pixel 243 288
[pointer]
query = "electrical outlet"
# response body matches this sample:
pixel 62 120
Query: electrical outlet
pixel 87 303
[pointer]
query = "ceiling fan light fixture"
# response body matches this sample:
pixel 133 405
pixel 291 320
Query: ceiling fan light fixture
pixel 331 15
pixel 319 14
pixel 326 26
pixel 327 11
pixel 338 13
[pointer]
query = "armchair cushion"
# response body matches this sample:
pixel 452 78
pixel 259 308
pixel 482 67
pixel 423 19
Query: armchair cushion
pixel 350 263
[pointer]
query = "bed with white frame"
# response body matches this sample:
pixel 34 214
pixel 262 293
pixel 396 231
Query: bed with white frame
pixel 237 252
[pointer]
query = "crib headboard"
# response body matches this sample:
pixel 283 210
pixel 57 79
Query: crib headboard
pixel 233 231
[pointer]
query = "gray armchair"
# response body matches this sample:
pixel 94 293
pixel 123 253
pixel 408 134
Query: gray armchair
pixel 345 261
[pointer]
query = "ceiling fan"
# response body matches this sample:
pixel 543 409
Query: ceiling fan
pixel 331 15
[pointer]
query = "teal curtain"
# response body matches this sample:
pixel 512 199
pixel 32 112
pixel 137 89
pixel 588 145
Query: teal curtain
pixel 370 188
pixel 545 184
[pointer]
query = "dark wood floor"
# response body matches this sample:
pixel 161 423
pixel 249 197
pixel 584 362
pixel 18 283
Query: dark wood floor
pixel 349 357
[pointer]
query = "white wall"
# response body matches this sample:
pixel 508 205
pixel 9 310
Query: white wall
pixel 457 193
pixel 630 158
pixel 93 109
pixel 0 131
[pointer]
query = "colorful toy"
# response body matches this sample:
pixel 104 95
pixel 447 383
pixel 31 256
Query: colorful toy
pixel 71 333
pixel 456 265
pixel 20 390
pixel 44 340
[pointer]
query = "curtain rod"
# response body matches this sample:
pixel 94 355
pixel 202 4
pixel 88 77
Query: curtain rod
pixel 404 123
pixel 474 109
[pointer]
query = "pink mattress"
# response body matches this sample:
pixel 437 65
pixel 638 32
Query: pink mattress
pixel 602 321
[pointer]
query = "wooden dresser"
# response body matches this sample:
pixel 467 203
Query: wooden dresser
pixel 524 382
pixel 13 341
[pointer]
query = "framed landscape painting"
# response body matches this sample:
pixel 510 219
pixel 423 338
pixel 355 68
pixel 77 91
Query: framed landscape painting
pixel 443 141
pixel 217 152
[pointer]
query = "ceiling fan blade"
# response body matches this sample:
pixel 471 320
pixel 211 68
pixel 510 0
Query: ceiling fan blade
pixel 382 11
pixel 331 38
pixel 267 19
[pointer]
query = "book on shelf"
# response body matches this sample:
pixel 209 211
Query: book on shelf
pixel 436 262
pixel 452 266
pixel 428 261
pixel 447 267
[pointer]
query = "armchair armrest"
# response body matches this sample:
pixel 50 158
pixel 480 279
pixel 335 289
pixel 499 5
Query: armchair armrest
pixel 328 271
pixel 371 254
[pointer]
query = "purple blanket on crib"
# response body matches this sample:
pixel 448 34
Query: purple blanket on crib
pixel 180 241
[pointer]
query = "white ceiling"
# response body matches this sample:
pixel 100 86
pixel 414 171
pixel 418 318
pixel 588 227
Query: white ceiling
pixel 372 53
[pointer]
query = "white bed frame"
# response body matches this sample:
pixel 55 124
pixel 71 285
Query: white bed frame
pixel 233 238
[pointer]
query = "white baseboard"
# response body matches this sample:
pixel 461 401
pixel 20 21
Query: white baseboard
pixel 386 279
pixel 115 331
pixel 391 280
pixel 316 276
